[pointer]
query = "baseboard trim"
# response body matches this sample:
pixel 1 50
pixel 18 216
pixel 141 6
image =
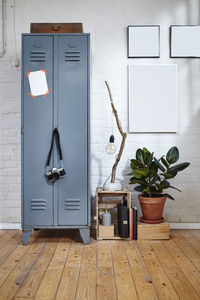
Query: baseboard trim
pixel 172 226
pixel 10 226
pixel 184 225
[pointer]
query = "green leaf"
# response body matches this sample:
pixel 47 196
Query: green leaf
pixel 138 173
pixel 135 164
pixel 135 180
pixel 153 189
pixel 172 155
pixel 152 174
pixel 158 164
pixel 155 178
pixel 172 187
pixel 168 196
pixel 161 157
pixel 150 160
pixel 139 155
pixel 171 173
pixel 139 188
pixel 146 155
pixel 153 167
pixel 159 187
pixel 165 184
pixel 164 162
pixel 145 150
pixel 167 176
pixel 179 167
pixel 147 190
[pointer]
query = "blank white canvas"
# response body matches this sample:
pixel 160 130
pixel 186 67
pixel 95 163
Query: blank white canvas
pixel 144 41
pixel 38 83
pixel 153 98
pixel 185 41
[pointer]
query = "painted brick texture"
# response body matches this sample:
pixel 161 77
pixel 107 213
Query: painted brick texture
pixel 107 22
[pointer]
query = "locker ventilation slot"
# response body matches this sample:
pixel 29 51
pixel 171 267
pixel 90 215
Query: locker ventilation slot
pixel 38 204
pixel 72 204
pixel 38 56
pixel 72 56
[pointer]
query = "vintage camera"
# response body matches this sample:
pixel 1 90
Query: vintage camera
pixel 55 174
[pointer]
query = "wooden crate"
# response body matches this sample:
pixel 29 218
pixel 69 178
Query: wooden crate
pixel 106 232
pixel 153 231
pixel 102 203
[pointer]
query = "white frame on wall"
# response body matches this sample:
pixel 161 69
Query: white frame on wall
pixel 185 41
pixel 144 41
pixel 153 98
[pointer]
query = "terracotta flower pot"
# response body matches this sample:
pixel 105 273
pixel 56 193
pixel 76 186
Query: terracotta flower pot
pixel 152 209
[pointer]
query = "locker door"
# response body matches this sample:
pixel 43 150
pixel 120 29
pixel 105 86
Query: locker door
pixel 72 124
pixel 37 124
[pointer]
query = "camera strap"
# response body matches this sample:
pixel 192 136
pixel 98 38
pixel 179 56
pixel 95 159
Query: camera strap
pixel 56 135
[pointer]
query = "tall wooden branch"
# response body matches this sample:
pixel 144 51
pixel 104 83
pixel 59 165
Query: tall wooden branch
pixel 123 134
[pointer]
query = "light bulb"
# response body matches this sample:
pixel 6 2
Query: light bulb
pixel 111 148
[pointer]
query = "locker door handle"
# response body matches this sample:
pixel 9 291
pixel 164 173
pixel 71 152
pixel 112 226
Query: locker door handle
pixel 37 46
pixel 56 28
pixel 72 45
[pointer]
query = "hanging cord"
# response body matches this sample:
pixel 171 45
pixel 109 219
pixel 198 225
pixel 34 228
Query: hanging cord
pixel 112 121
pixel 107 179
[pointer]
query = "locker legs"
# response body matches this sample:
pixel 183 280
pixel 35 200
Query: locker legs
pixel 25 236
pixel 85 234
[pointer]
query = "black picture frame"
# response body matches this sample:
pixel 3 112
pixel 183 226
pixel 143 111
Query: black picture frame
pixel 128 41
pixel 184 56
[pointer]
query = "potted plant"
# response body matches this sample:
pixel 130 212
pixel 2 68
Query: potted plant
pixel 152 177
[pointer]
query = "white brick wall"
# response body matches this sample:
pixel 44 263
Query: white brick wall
pixel 107 22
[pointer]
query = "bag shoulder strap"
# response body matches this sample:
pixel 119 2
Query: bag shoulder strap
pixel 55 134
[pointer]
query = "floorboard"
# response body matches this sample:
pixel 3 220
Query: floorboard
pixel 143 281
pixel 87 278
pixel 34 278
pixel 196 233
pixel 186 244
pixel 125 286
pixel 69 280
pixel 164 288
pixel 4 238
pixel 56 265
pixel 177 278
pixel 49 284
pixel 105 274
pixel 184 263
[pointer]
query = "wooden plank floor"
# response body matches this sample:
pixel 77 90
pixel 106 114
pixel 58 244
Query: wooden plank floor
pixel 56 265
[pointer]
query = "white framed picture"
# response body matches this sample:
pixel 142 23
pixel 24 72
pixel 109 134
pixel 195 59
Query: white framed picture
pixel 184 41
pixel 144 41
pixel 153 98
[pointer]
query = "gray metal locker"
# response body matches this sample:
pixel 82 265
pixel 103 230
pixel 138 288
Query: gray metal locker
pixel 66 202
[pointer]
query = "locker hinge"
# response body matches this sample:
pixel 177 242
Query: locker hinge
pixel 22 130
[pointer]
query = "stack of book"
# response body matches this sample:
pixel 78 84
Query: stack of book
pixel 133 220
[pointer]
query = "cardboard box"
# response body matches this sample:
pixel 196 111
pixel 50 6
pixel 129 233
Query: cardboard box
pixel 106 231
